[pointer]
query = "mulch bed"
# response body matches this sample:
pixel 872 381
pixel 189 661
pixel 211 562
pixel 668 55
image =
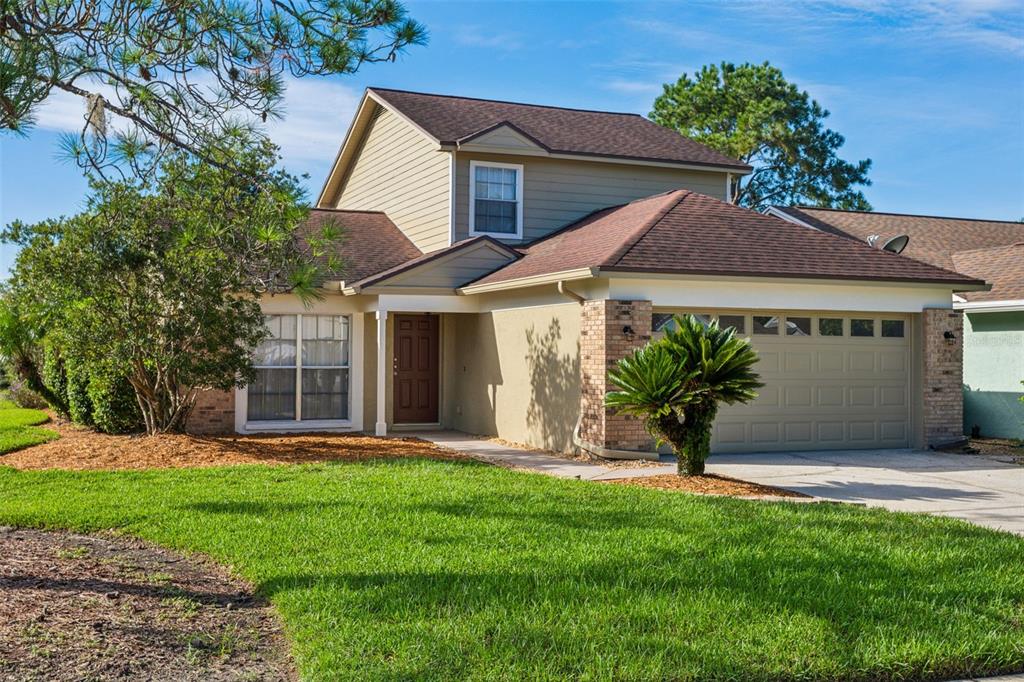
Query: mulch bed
pixel 114 608
pixel 708 484
pixel 79 448
pixel 1004 450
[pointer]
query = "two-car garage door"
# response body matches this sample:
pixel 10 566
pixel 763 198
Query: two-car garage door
pixel 831 382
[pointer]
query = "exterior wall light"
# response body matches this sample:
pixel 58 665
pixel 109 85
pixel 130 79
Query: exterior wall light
pixel 948 335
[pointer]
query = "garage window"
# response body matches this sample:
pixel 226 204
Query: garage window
pixel 862 327
pixel 892 329
pixel 766 324
pixel 737 322
pixel 830 326
pixel 798 326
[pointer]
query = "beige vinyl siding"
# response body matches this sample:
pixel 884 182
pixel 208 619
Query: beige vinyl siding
pixel 399 171
pixel 459 269
pixel 558 191
pixel 514 374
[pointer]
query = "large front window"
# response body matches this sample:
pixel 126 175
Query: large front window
pixel 302 369
pixel 496 202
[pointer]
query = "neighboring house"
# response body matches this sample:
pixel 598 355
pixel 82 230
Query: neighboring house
pixel 503 256
pixel 994 320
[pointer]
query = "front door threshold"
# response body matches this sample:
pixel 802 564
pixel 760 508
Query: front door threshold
pixel 416 427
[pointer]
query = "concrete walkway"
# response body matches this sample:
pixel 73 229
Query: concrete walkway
pixel 976 489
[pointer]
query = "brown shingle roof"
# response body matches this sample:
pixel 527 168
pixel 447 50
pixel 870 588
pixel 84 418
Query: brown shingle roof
pixel 932 239
pixel 371 243
pixel 1003 266
pixel 689 233
pixel 567 131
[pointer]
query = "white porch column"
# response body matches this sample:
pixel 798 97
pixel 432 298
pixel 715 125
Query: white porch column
pixel 383 367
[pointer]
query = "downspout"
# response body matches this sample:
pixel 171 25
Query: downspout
pixel 569 293
pixel 606 453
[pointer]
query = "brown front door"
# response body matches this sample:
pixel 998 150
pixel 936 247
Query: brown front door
pixel 415 369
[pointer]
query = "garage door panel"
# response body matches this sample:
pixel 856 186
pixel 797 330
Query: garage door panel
pixel 894 431
pixel 798 396
pixel 823 392
pixel 893 396
pixel 830 396
pixel 893 362
pixel 831 361
pixel 798 361
pixel 862 396
pixel 862 431
pixel 764 433
pixel 831 432
pixel 862 361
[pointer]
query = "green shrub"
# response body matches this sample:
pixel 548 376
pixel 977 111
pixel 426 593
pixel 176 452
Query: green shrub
pixel 114 408
pixel 79 402
pixel 21 395
pixel 54 375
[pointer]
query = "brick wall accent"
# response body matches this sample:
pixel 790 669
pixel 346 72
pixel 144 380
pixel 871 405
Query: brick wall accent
pixel 942 376
pixel 602 343
pixel 214 413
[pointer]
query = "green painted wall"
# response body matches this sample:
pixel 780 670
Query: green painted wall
pixel 993 370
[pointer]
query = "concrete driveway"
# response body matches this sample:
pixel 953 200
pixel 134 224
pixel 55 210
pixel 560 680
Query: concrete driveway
pixel 977 489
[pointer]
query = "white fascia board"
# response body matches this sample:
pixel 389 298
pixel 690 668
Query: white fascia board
pixel 1007 306
pixel 772 211
pixel 766 294
pixel 523 282
pixel 416 303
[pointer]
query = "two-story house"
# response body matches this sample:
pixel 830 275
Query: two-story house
pixel 501 257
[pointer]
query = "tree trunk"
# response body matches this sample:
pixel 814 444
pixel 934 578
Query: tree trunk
pixel 690 439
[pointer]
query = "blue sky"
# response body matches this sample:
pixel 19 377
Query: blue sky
pixel 933 92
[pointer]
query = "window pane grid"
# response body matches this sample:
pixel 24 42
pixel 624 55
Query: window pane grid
pixel 495 199
pixel 313 384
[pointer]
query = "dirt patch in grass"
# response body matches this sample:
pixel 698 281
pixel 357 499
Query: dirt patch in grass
pixel 79 448
pixel 114 608
pixel 709 484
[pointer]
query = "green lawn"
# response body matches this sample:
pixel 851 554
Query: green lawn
pixel 424 569
pixel 19 427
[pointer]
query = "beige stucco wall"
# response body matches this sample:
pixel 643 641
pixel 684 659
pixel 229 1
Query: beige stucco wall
pixel 514 374
pixel 399 171
pixel 558 191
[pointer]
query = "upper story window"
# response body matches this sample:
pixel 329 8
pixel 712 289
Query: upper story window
pixel 496 199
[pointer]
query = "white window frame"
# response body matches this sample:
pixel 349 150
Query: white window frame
pixel 520 200
pixel 298 421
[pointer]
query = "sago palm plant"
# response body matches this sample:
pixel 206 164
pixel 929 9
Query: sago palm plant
pixel 676 384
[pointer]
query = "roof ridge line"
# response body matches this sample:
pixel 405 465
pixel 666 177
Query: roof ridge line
pixel 987 248
pixel 506 101
pixel 638 233
pixel 904 215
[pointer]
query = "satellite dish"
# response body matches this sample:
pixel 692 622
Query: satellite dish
pixel 896 244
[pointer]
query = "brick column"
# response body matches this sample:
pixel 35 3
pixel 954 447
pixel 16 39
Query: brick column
pixel 942 376
pixel 603 341
pixel 214 413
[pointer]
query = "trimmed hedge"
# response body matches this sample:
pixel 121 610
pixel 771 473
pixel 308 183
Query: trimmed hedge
pixel 114 408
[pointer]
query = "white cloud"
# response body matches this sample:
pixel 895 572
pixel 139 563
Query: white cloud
pixel 316 113
pixel 632 87
pixel 996 25
pixel 478 36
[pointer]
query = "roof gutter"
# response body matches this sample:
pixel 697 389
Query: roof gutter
pixel 523 282
pixel 1007 306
